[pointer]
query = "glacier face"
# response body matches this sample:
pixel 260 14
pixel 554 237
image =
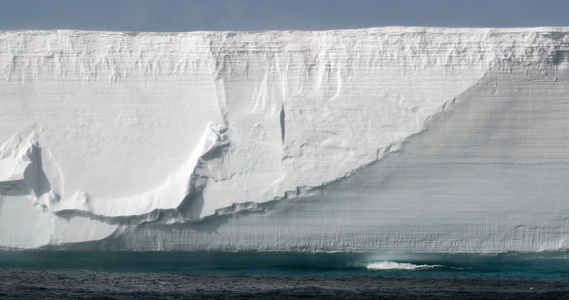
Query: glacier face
pixel 383 139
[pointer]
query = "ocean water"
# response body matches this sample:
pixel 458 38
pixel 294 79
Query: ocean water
pixel 281 275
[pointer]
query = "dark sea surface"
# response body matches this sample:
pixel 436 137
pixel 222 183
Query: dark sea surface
pixel 280 275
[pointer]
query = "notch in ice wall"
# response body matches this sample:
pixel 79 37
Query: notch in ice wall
pixel 282 120
pixel 157 129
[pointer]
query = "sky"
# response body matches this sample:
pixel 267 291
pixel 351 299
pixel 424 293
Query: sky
pixel 252 15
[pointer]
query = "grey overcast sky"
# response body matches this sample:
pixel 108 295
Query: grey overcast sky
pixel 192 15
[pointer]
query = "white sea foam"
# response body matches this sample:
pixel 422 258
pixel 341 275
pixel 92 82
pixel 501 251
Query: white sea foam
pixel 391 265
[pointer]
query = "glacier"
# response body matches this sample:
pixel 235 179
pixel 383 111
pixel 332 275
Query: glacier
pixel 387 140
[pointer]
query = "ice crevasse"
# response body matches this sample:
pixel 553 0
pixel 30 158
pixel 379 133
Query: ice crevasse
pixel 385 139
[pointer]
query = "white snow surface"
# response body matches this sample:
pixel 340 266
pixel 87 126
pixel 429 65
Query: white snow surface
pixel 104 132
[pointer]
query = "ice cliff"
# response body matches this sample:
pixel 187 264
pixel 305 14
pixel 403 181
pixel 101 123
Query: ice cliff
pixel 382 139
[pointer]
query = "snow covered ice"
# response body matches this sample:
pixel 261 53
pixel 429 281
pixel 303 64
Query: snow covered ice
pixel 394 140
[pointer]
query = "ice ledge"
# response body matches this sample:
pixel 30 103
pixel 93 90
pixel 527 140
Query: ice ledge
pixel 21 168
pixel 179 199
pixel 172 193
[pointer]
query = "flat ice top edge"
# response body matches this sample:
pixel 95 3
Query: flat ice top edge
pixel 386 29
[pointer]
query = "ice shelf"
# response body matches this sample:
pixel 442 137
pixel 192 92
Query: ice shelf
pixel 391 139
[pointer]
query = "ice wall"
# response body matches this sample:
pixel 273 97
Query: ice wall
pixel 383 139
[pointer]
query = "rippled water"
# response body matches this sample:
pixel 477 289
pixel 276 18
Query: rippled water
pixel 196 275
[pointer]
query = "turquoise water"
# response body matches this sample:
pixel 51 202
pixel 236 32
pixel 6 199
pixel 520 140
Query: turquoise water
pixel 546 264
pixel 281 275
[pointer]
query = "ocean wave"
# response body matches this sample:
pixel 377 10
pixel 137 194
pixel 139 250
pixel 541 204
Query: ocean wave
pixel 391 265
